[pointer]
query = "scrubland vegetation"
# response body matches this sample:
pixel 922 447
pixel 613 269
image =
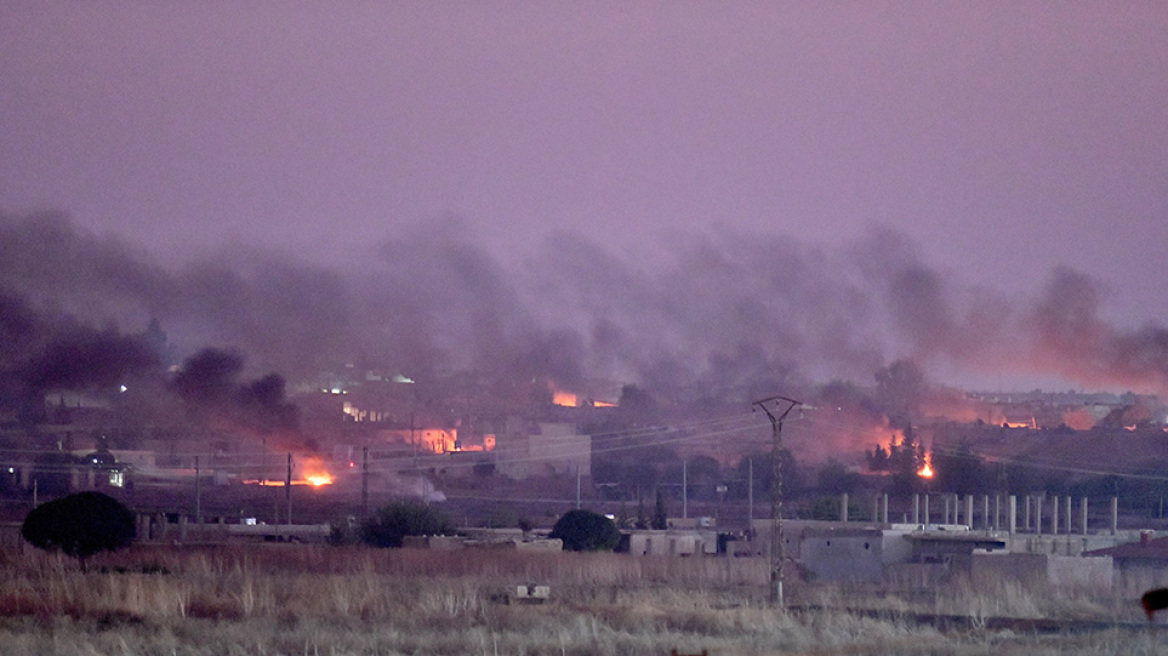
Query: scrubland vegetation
pixel 295 599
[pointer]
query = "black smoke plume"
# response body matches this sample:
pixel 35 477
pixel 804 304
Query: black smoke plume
pixel 714 317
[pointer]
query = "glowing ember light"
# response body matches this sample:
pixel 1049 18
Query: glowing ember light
pixel 927 470
pixel 319 479
pixel 316 480
pixel 566 399
pixel 315 473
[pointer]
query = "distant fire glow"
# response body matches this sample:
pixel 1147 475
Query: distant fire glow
pixel 927 470
pixel 312 472
pixel 319 479
pixel 565 399
pixel 315 473
pixel 316 480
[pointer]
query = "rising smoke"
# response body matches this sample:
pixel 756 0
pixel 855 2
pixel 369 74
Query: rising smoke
pixel 728 315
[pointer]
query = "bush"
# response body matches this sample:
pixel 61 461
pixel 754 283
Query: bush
pixel 584 530
pixel 80 525
pixel 395 521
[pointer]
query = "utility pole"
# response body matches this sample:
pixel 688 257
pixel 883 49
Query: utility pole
pixel 777 552
pixel 414 441
pixel 365 481
pixel 684 488
pixel 198 499
pixel 288 491
pixel 750 496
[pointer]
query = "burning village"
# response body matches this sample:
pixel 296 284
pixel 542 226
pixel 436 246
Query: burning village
pixel 521 426
pixel 583 328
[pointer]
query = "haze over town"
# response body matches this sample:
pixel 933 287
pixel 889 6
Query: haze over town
pixel 870 291
pixel 626 191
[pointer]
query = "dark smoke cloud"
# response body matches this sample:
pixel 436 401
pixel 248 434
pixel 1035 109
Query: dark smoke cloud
pixel 725 315
pixel 210 385
pixel 1074 341
pixel 81 358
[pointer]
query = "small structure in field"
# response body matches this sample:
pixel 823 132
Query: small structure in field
pixel 1138 566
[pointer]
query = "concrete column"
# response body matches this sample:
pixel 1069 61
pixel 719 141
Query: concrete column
pixel 844 507
pixel 1114 515
pixel 1038 515
pixel 1067 514
pixel 916 509
pixel 927 514
pixel 969 511
pixel 1026 514
pixel 947 518
pixel 1013 514
pixel 1083 512
pixel 985 513
pixel 1054 515
pixel 997 512
pixel 884 507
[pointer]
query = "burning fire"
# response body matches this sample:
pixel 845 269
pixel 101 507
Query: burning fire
pixel 314 473
pixel 323 478
pixel 316 480
pixel 566 399
pixel 927 470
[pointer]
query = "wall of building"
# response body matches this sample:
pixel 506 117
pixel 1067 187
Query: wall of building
pixel 842 556
pixel 673 543
pixel 1135 577
pixel 545 449
pixel 1078 572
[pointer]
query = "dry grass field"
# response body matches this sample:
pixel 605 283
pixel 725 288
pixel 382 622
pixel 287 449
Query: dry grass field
pixel 294 599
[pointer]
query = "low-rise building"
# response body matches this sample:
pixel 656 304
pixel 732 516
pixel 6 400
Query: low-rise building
pixel 528 449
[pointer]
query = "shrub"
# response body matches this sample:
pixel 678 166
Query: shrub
pixel 396 520
pixel 80 525
pixel 584 530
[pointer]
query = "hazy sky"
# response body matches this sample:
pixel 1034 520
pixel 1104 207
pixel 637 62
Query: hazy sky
pixel 1003 138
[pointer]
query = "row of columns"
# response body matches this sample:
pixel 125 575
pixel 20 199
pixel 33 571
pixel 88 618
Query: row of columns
pixel 1033 505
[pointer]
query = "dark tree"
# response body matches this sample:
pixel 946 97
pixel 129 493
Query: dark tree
pixel 395 521
pixel 899 388
pixel 834 478
pixel 80 525
pixel 961 472
pixel 584 530
pixel 660 520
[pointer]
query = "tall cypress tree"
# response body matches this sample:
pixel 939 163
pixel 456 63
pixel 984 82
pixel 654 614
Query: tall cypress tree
pixel 660 519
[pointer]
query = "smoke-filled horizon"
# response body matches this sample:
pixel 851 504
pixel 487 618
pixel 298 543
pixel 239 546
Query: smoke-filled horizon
pixel 731 313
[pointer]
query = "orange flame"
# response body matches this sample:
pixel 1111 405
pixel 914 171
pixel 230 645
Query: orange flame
pixel 317 480
pixel 566 399
pixel 927 470
pixel 315 473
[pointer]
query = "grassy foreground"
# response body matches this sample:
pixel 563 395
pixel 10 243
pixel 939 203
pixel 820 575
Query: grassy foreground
pixel 292 599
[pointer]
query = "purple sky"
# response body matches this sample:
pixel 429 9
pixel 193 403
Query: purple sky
pixel 1002 138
